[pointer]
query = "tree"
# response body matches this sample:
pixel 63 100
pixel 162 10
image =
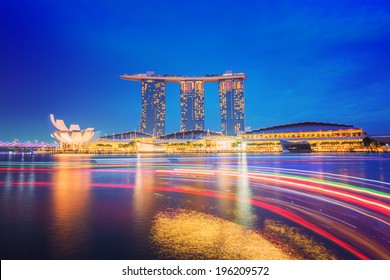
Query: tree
pixel 367 141
pixel 371 143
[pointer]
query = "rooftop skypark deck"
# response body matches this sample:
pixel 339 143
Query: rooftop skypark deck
pixel 179 78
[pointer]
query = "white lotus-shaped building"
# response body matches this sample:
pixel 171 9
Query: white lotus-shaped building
pixel 73 135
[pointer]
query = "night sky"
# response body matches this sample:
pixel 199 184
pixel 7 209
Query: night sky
pixel 313 60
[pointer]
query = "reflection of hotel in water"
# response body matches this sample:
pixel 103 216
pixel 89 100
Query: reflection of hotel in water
pixel 231 101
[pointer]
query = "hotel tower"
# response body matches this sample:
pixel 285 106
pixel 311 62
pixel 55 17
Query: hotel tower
pixel 192 105
pixel 153 107
pixel 231 104
pixel 231 101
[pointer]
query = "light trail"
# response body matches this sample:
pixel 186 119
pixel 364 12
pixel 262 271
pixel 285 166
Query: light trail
pixel 297 183
pixel 319 173
pixel 289 193
pixel 306 179
pixel 280 211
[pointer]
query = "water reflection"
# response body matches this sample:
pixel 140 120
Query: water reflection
pixel 192 235
pixel 244 192
pixel 70 203
pixel 225 185
pixel 102 206
pixel 142 205
pixel 143 198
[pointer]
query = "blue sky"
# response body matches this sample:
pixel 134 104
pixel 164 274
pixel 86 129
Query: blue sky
pixel 305 61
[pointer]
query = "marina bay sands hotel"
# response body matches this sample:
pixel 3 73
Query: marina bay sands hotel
pixel 231 101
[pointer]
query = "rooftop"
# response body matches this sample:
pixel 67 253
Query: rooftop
pixel 179 78
pixel 302 127
pixel 127 135
pixel 190 134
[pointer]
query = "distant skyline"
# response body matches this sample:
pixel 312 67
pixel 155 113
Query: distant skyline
pixel 325 61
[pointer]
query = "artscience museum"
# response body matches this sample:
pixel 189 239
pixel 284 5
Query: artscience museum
pixel 72 137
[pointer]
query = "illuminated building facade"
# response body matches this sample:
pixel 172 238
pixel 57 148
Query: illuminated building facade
pixel 71 137
pixel 231 103
pixel 303 137
pixel 231 95
pixel 192 105
pixel 322 137
pixel 153 107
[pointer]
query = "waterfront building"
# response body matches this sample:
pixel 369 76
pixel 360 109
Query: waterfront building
pixel 128 135
pixel 192 105
pixel 153 107
pixel 72 137
pixel 124 142
pixel 322 137
pixel 231 96
pixel 304 137
pixel 231 103
pixel 193 141
pixel 189 135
